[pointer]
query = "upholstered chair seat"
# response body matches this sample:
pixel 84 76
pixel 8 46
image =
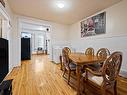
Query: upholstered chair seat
pixel 72 66
pixel 95 79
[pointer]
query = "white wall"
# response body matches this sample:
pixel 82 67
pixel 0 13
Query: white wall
pixel 7 31
pixel 115 37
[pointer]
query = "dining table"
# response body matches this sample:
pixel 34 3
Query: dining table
pixel 80 59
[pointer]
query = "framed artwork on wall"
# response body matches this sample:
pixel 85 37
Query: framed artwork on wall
pixel 94 25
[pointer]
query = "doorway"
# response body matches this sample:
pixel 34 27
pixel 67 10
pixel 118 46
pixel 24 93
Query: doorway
pixel 39 37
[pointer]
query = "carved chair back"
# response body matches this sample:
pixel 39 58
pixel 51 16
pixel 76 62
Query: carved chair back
pixel 111 68
pixel 89 51
pixel 66 60
pixel 103 53
pixel 67 49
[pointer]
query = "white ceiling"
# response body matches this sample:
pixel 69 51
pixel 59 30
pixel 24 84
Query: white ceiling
pixel 74 10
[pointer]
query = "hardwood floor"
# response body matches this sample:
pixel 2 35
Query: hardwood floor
pixel 42 77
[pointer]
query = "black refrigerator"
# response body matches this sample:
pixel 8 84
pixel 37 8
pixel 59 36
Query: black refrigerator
pixel 4 58
pixel 25 49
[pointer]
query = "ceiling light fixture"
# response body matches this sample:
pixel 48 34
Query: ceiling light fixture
pixel 60 5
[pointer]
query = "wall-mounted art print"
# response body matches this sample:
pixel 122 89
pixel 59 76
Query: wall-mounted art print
pixel 94 25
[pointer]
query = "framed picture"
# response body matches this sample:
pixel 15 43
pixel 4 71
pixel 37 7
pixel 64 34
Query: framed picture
pixel 94 25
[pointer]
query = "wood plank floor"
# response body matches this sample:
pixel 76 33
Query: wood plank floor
pixel 42 77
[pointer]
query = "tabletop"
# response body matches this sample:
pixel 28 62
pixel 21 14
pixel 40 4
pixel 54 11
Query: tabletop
pixel 82 59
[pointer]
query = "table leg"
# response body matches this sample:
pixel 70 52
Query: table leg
pixel 78 79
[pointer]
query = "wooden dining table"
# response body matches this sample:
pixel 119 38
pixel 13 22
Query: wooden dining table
pixel 81 59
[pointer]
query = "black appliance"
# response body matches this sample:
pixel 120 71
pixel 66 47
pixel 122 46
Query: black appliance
pixel 25 49
pixel 4 58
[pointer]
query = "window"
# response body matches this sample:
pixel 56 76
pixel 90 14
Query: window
pixel 41 41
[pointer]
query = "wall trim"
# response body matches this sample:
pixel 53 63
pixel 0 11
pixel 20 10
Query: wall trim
pixel 108 37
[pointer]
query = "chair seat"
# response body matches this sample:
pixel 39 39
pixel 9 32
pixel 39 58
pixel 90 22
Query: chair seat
pixel 72 66
pixel 95 66
pixel 96 79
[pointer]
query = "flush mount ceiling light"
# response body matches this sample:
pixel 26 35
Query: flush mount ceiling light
pixel 60 4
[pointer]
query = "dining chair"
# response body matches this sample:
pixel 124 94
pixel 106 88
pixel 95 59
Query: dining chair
pixel 68 65
pixel 102 53
pixel 68 50
pixel 89 51
pixel 106 79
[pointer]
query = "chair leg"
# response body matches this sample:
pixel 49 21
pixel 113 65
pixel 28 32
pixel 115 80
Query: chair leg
pixel 115 89
pixel 69 74
pixel 84 85
pixel 61 63
pixel 103 92
pixel 64 72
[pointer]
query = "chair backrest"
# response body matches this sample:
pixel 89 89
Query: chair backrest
pixel 65 58
pixel 68 50
pixel 39 48
pixel 89 51
pixel 103 53
pixel 111 68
